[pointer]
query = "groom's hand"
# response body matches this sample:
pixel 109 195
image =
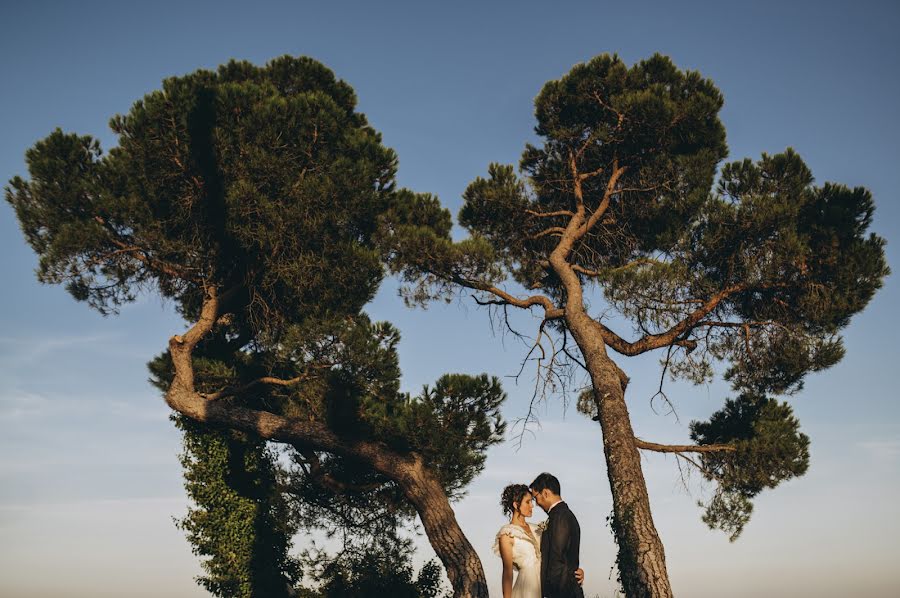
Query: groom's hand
pixel 579 576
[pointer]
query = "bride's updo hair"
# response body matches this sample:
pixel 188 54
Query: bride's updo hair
pixel 512 496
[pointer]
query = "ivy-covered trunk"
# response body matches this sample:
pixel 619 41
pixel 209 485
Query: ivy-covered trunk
pixel 641 559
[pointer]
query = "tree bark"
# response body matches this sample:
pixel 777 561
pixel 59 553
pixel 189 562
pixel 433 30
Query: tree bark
pixel 641 559
pixel 418 484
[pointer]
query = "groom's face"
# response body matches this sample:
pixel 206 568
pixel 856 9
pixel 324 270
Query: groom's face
pixel 542 499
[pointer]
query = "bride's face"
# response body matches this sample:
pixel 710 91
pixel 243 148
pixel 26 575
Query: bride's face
pixel 526 508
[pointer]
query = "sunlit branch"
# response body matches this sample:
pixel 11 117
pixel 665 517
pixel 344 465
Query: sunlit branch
pixel 265 380
pixel 554 230
pixel 551 311
pixel 673 336
pixel 604 203
pixel 550 214
pixel 683 448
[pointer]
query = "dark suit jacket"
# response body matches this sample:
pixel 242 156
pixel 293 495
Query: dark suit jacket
pixel 559 554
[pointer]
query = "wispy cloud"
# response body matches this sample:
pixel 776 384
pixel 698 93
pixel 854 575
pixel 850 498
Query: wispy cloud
pixel 882 449
pixel 92 504
pixel 17 405
pixel 23 351
pixel 146 411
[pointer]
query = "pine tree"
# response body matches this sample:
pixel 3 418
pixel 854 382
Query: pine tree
pixel 617 217
pixel 251 198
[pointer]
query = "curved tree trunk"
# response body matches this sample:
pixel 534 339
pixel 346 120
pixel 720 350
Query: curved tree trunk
pixel 453 548
pixel 419 485
pixel 642 559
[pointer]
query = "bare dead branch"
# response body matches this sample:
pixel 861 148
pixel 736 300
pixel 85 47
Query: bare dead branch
pixel 554 230
pixel 660 392
pixel 565 350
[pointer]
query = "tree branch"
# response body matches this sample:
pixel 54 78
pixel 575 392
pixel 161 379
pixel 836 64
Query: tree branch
pixel 550 214
pixel 630 349
pixel 235 390
pixel 181 346
pixel 683 448
pixel 551 311
pixel 629 265
pixel 674 335
pixel 607 196
pixel 553 230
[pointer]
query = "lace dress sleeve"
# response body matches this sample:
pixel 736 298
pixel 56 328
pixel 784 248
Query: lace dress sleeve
pixel 506 530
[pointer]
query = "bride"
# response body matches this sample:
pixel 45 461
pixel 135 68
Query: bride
pixel 518 543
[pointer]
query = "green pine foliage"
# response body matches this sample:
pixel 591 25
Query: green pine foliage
pixel 769 450
pixel 262 178
pixel 657 122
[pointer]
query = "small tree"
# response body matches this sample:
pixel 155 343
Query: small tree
pixel 249 197
pixel 240 522
pixel 762 273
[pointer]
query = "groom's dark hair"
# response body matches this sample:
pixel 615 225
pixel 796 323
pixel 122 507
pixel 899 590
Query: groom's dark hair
pixel 546 481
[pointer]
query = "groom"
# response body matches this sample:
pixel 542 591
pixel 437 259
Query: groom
pixel 559 542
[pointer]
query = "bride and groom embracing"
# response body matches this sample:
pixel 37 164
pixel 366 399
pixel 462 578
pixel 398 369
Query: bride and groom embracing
pixel 545 556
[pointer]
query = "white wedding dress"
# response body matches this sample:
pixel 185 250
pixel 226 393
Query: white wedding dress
pixel 526 559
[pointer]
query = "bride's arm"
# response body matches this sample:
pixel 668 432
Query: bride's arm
pixel 506 555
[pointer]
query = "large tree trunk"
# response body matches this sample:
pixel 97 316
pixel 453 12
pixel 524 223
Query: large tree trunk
pixel 419 485
pixel 642 560
pixel 453 548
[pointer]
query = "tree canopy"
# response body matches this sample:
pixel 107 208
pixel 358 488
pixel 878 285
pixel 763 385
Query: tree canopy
pixel 264 179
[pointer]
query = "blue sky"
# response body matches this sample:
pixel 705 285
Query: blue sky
pixel 89 479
